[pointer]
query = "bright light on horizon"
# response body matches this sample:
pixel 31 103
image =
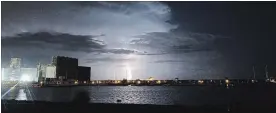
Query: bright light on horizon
pixel 25 77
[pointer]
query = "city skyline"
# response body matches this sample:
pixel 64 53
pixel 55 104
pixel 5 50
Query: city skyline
pixel 164 40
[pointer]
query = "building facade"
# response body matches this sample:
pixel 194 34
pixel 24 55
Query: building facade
pixel 66 67
pixel 11 74
pixel 84 73
pixel 14 69
pixel 46 72
pixel 50 71
pixel 60 69
pixel 15 63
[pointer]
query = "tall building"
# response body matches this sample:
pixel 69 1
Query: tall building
pixel 46 72
pixel 39 72
pixel 54 60
pixel 84 73
pixel 15 69
pixel 17 72
pixel 66 67
pixel 8 74
pixel 50 71
pixel 15 63
pixel 61 68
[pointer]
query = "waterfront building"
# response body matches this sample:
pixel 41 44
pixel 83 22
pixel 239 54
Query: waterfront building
pixel 15 71
pixel 84 73
pixel 66 67
pixel 15 63
pixel 17 74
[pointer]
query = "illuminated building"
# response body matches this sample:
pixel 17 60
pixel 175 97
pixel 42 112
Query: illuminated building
pixel 15 63
pixel 46 71
pixel 42 71
pixel 62 68
pixel 6 74
pixel 54 60
pixel 50 71
pixel 15 71
pixel 26 74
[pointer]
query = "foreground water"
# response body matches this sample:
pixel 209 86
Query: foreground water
pixel 164 95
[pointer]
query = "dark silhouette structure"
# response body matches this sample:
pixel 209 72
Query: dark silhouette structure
pixel 66 67
pixel 84 73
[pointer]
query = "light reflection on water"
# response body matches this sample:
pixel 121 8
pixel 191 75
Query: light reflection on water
pixel 143 94
pixel 21 95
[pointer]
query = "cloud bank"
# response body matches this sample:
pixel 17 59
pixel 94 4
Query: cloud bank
pixel 115 20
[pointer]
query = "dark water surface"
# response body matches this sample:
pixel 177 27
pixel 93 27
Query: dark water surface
pixel 184 95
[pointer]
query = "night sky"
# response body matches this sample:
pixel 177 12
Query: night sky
pixel 188 40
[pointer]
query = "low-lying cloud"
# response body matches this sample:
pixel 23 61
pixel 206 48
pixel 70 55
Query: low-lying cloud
pixel 41 46
pixel 56 41
pixel 172 42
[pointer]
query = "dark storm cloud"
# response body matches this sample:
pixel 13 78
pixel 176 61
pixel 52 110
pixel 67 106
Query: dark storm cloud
pixel 113 19
pixel 57 41
pixel 108 59
pixel 86 43
pixel 168 61
pixel 122 51
pixel 41 46
pixel 61 41
pixel 86 18
pixel 117 21
pixel 173 42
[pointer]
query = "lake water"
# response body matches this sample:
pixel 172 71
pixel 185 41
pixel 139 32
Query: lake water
pixel 183 95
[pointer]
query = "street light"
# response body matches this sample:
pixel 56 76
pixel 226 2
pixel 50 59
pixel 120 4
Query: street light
pixel 227 81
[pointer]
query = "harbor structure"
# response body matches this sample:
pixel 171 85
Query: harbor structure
pixel 64 69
